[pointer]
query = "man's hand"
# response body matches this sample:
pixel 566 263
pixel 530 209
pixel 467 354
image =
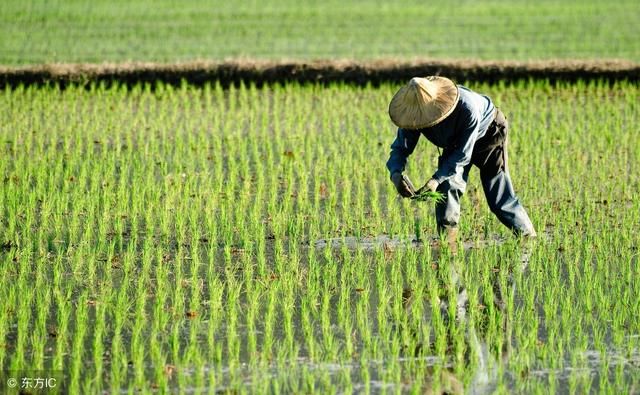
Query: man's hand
pixel 401 185
pixel 431 185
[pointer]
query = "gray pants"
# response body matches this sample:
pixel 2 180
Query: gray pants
pixel 490 156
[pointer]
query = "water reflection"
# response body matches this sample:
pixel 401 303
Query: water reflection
pixel 484 378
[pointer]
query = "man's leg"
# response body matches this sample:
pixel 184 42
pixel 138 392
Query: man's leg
pixel 497 185
pixel 448 211
pixel 504 203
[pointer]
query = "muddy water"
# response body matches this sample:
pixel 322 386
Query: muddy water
pixel 396 242
pixel 487 370
pixel 487 376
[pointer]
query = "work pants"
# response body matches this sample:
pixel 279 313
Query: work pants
pixel 490 156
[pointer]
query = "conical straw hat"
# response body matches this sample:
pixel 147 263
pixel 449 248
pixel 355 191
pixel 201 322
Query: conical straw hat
pixel 423 102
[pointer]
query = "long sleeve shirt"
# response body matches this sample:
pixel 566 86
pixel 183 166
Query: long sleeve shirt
pixel 456 134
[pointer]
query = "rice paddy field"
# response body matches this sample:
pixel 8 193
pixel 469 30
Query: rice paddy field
pixel 235 237
pixel 243 240
pixel 97 31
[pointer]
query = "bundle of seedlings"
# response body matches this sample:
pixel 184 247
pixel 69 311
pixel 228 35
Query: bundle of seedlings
pixel 421 195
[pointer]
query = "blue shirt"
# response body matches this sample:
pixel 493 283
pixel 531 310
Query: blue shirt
pixel 457 134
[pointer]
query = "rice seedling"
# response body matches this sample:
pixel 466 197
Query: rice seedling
pixel 310 30
pixel 164 239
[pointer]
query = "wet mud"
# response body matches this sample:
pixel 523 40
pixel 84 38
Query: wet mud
pixel 387 242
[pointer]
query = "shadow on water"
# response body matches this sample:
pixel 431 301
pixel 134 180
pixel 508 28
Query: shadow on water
pixel 477 357
pixel 485 364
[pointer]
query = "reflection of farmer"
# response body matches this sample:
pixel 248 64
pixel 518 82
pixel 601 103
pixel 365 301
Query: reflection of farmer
pixel 471 130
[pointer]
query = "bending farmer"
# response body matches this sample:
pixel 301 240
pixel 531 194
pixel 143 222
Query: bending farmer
pixel 471 130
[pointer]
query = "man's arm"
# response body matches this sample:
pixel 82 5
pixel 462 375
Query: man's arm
pixel 454 159
pixel 401 148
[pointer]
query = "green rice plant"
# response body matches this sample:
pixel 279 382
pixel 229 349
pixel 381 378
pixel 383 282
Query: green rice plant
pixel 244 239
pixel 212 32
pixel 428 196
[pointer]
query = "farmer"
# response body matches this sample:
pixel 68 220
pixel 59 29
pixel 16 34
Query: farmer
pixel 471 130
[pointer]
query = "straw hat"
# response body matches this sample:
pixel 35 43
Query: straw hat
pixel 423 102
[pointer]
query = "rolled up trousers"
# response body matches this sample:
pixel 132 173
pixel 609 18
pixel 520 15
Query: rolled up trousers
pixel 490 156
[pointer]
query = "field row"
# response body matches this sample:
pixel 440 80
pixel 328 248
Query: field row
pixel 160 237
pixel 61 31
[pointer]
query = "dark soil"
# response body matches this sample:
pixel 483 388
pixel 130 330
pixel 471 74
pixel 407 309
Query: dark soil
pixel 359 73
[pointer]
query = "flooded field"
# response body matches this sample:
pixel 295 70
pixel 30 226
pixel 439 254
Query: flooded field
pixel 244 240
